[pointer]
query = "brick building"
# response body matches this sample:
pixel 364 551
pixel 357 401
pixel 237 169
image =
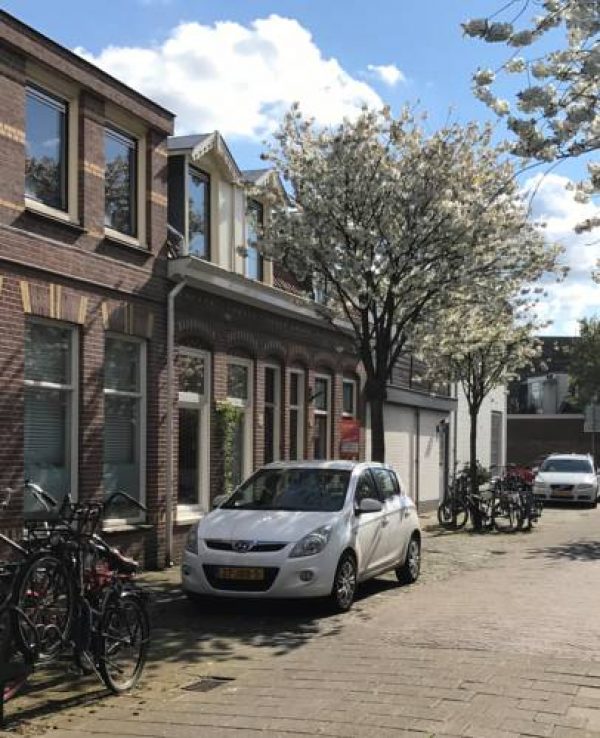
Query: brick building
pixel 244 338
pixel 83 280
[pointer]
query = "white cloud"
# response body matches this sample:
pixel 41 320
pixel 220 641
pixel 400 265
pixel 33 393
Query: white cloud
pixel 238 79
pixel 577 296
pixel 387 73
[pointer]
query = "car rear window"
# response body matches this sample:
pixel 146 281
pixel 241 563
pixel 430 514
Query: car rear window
pixel 582 466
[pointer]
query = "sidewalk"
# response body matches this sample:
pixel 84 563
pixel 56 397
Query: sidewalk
pixel 499 639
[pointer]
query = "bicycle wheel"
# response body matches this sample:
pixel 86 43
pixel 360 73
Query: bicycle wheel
pixel 507 516
pixel 45 594
pixel 452 515
pixel 123 643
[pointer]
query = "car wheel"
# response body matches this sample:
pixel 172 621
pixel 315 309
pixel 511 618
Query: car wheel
pixel 194 598
pixel 344 584
pixel 409 571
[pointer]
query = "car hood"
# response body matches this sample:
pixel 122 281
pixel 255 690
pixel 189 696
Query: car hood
pixel 565 478
pixel 282 526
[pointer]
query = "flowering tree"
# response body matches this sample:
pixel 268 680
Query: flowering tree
pixel 481 348
pixel 557 111
pixel 584 367
pixel 399 225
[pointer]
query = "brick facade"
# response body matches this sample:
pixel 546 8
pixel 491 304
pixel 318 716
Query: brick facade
pixel 229 329
pixel 68 270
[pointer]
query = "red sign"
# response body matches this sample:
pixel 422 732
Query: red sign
pixel 349 439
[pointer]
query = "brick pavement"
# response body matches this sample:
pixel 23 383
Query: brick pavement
pixel 500 639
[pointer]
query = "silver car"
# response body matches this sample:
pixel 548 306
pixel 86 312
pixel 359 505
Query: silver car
pixel 570 477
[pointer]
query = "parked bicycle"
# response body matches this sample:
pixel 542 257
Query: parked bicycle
pixel 69 591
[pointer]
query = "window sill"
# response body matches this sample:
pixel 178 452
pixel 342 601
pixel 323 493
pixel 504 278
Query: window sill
pixel 56 216
pixel 123 240
pixel 123 527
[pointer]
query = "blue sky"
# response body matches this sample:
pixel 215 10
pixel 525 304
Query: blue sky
pixel 236 65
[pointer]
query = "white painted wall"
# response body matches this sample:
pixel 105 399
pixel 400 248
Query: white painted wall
pixel 496 400
pixel 401 449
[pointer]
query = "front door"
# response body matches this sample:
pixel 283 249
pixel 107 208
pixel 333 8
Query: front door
pixel 369 527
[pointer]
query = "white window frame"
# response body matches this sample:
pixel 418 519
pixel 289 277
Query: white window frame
pixel 122 123
pixel 192 168
pixel 248 407
pixel 138 516
pixel 300 408
pixel 354 385
pixel 73 388
pixel 68 94
pixel 327 413
pixel 259 256
pixel 201 403
pixel 276 405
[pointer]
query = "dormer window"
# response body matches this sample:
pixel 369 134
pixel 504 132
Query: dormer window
pixel 198 197
pixel 254 225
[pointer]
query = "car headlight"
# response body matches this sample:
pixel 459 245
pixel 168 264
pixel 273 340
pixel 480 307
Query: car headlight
pixel 191 542
pixel 313 543
pixel 540 485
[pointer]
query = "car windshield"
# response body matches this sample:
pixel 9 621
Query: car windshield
pixel 307 490
pixel 581 466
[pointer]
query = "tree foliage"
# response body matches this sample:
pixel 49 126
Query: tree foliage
pixel 401 225
pixel 556 114
pixel 584 369
pixel 481 348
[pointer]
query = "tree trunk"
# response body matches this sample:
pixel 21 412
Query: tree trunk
pixel 473 450
pixel 377 428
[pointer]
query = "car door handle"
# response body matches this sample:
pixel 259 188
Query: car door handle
pixel 384 522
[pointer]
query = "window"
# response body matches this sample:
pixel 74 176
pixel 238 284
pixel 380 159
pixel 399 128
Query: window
pixel 124 416
pixel 198 195
pixel 272 412
pixel 194 430
pixel 386 482
pixel 296 409
pixel 239 393
pixel 366 488
pixel 254 224
pixel 349 398
pixel 51 407
pixel 120 152
pixel 46 149
pixel 322 429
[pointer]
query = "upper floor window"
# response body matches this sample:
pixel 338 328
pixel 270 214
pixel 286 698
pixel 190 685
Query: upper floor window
pixel 254 224
pixel 120 153
pixel 198 196
pixel 46 149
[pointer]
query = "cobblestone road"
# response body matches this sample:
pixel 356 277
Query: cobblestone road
pixel 500 638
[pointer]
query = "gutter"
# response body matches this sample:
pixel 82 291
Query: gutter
pixel 170 400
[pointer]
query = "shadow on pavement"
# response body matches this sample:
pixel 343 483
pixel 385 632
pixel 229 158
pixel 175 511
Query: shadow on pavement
pixel 575 551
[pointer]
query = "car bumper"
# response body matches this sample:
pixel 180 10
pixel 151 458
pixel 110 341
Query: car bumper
pixel 285 577
pixel 574 495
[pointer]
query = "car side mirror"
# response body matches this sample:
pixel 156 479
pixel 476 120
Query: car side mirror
pixel 369 505
pixel 218 500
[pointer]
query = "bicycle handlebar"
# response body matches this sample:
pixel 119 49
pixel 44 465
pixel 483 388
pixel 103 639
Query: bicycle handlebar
pixel 42 497
pixel 115 495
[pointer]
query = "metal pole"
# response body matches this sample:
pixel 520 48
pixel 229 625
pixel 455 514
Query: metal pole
pixel 170 398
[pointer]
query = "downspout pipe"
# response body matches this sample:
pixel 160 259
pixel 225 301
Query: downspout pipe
pixel 170 402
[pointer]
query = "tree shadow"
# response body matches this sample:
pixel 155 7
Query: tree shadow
pixel 574 551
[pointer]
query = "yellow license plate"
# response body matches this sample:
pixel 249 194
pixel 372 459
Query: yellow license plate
pixel 241 574
pixel 562 493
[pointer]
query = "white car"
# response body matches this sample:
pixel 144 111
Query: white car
pixel 305 529
pixel 567 477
